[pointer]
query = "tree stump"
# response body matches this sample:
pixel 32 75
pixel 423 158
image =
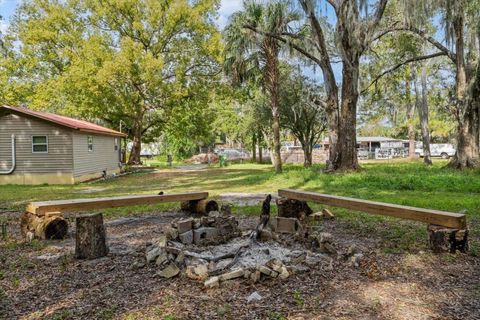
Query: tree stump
pixel 291 208
pixel 90 237
pixel 443 239
pixel 49 226
pixel 199 206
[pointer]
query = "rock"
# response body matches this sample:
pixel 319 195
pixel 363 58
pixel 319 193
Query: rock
pixel 247 274
pixel 204 235
pixel 300 268
pixel 186 237
pixel 275 264
pixel 138 265
pixel 327 248
pixel 212 282
pixel 266 235
pixel 162 241
pixel 153 253
pixel 170 232
pixel 355 260
pixel 273 274
pixel 237 273
pixel 169 272
pixel 197 272
pixel 29 236
pixel 325 237
pixel 214 214
pixel 184 225
pixel 254 296
pixel 265 270
pixel 352 250
pixel 255 276
pixel 284 274
pixel 180 259
pixel 162 258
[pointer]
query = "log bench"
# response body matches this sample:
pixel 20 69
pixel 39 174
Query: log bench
pixel 44 219
pixel 447 230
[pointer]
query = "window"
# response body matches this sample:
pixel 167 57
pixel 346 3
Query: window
pixel 39 144
pixel 90 143
pixel 116 144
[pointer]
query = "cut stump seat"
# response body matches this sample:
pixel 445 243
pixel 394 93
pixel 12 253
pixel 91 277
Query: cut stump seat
pixel 40 211
pixel 454 224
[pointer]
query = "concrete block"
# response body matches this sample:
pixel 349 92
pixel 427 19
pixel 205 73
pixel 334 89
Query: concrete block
pixel 237 273
pixel 212 282
pixel 184 225
pixel 204 234
pixel 186 237
pixel 286 225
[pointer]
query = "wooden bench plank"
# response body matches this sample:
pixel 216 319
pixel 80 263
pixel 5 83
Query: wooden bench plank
pixel 41 207
pixel 442 218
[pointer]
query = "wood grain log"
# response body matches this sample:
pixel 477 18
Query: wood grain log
pixel 442 239
pixel 199 206
pixel 90 237
pixel 291 208
pixel 49 226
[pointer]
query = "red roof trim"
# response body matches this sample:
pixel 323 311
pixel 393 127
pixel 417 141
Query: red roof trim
pixel 72 123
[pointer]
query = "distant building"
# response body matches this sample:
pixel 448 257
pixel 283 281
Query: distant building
pixel 41 147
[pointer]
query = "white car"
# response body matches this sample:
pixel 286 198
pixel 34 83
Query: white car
pixel 234 154
pixel 443 150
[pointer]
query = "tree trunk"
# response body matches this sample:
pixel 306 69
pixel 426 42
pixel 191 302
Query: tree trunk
pixel 410 115
pixel 468 112
pixel 90 237
pixel 137 145
pixel 346 157
pixel 254 147
pixel 307 153
pixel 422 106
pixel 467 155
pixel 272 70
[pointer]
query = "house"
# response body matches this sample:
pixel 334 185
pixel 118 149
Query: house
pixel 41 147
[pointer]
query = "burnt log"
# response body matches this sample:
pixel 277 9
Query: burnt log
pixel 443 239
pixel 90 237
pixel 199 206
pixel 51 226
pixel 291 208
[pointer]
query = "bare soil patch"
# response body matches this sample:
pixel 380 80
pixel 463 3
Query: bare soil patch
pixel 42 280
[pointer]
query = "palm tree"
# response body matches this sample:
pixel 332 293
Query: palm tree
pixel 251 55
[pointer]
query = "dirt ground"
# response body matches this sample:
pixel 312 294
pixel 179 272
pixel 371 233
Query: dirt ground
pixel 42 280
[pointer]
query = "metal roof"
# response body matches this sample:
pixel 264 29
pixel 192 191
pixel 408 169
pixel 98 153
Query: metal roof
pixel 72 123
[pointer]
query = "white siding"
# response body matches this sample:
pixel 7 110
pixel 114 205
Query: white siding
pixel 59 158
pixel 103 157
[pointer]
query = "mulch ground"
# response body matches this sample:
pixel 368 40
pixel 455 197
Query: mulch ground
pixel 42 280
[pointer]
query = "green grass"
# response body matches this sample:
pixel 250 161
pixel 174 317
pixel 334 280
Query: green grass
pixel 406 183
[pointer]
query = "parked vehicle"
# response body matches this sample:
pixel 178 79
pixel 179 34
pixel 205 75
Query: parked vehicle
pixel 443 150
pixel 234 154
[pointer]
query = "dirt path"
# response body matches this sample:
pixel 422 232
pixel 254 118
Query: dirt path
pixel 42 281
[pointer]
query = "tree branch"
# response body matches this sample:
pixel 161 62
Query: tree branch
pixel 378 15
pixel 423 35
pixel 283 40
pixel 430 56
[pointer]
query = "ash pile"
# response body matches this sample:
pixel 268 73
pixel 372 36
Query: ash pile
pixel 213 249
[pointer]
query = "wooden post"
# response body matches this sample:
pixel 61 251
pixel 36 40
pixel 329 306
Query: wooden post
pixel 90 237
pixel 443 239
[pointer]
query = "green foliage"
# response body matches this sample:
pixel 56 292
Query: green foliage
pixel 141 62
